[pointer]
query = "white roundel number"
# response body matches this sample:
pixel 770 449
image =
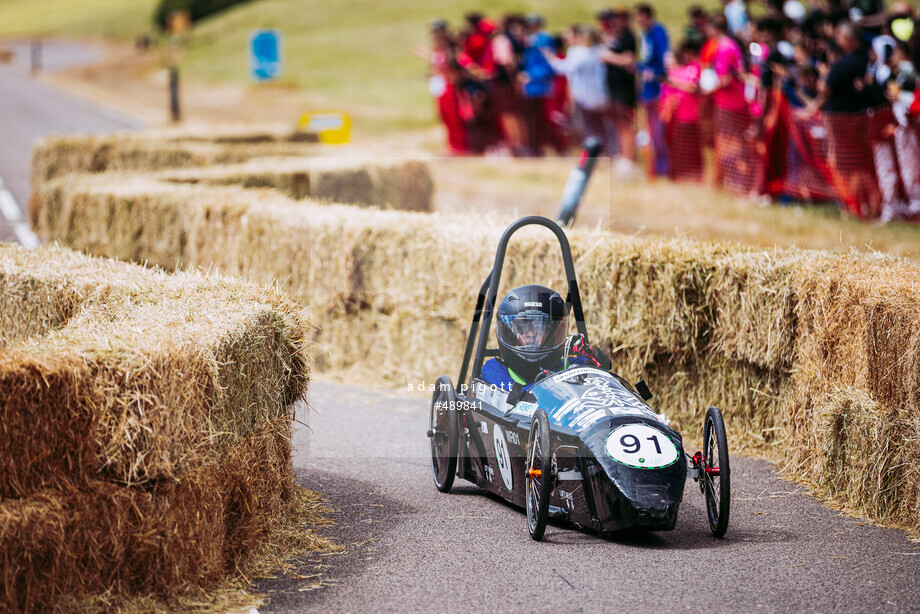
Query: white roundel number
pixel 502 457
pixel 639 445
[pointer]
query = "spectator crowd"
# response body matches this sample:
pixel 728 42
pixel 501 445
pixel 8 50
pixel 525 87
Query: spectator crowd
pixel 805 102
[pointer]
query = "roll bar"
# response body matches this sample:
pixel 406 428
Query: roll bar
pixel 485 303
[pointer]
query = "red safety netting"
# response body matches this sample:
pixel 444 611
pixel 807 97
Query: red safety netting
pixel 796 164
pixel 849 157
pixel 685 148
pixel 868 163
pixel 738 155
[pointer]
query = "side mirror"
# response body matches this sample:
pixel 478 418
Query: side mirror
pixel 642 389
pixel 602 358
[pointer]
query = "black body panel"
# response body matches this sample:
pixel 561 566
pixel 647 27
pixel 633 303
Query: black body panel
pixel 585 405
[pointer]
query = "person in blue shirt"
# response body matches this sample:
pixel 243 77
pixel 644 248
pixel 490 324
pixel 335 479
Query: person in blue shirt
pixel 536 78
pixel 531 330
pixel 654 49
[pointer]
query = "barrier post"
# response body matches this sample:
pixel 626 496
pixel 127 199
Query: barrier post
pixel 578 181
pixel 174 110
pixel 36 55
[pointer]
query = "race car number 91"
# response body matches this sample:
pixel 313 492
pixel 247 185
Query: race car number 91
pixel 641 446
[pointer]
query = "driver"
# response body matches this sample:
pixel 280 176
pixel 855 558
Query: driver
pixel 531 330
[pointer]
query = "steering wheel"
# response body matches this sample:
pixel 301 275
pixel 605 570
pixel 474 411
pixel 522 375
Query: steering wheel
pixel 578 345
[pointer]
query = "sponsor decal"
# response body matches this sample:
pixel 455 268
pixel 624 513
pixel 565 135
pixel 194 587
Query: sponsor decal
pixel 565 408
pixel 588 418
pixel 597 381
pixel 573 373
pixel 605 395
pixel 526 408
pixel 533 304
pixel 600 396
pixel 485 427
pixel 502 457
pixel 490 473
pixel 513 437
pixel 493 395
pixel 641 446
pixel 579 414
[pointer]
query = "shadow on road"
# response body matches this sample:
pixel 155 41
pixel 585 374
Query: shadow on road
pixel 691 533
pixel 362 517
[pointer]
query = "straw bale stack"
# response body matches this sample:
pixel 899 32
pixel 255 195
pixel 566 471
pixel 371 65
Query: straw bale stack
pixel 145 445
pixel 382 182
pixel 62 155
pixel 799 348
pixel 249 159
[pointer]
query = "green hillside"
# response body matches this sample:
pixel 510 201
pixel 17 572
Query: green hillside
pixel 110 18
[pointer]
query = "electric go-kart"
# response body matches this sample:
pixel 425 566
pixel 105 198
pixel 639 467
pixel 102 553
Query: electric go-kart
pixel 581 445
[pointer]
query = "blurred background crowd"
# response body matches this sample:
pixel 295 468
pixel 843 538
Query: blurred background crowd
pixel 782 101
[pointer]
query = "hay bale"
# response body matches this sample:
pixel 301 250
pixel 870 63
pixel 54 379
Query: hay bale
pixel 244 134
pixel 164 393
pixel 57 156
pixel 192 531
pixel 869 463
pixel 54 157
pixel 391 183
pixel 146 430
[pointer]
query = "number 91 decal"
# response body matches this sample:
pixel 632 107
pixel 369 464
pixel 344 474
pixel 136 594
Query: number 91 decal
pixel 641 446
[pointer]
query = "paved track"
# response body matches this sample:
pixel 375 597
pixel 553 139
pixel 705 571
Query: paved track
pixel 30 110
pixel 417 550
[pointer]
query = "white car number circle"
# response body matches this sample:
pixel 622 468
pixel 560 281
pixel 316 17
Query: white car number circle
pixel 639 445
pixel 502 457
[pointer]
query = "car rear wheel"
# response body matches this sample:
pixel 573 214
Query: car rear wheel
pixel 443 432
pixel 539 475
pixel 715 473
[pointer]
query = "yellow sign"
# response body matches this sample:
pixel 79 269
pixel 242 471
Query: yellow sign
pixel 333 127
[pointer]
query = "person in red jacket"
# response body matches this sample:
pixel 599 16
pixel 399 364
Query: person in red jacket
pixel 442 87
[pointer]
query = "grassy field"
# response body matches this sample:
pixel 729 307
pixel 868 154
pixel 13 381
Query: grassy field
pixel 635 206
pixel 110 18
pixel 358 53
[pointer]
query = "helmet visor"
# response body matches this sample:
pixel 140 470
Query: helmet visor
pixel 531 332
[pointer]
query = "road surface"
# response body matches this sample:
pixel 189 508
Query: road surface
pixel 413 549
pixel 30 110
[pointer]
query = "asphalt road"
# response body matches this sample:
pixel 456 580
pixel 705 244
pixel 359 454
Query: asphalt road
pixel 413 549
pixel 30 110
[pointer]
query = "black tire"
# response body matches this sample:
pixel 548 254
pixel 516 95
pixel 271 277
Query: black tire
pixel 717 488
pixel 443 432
pixel 537 488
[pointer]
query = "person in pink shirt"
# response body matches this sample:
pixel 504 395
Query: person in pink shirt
pixel 681 112
pixel 734 157
pixel 728 64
